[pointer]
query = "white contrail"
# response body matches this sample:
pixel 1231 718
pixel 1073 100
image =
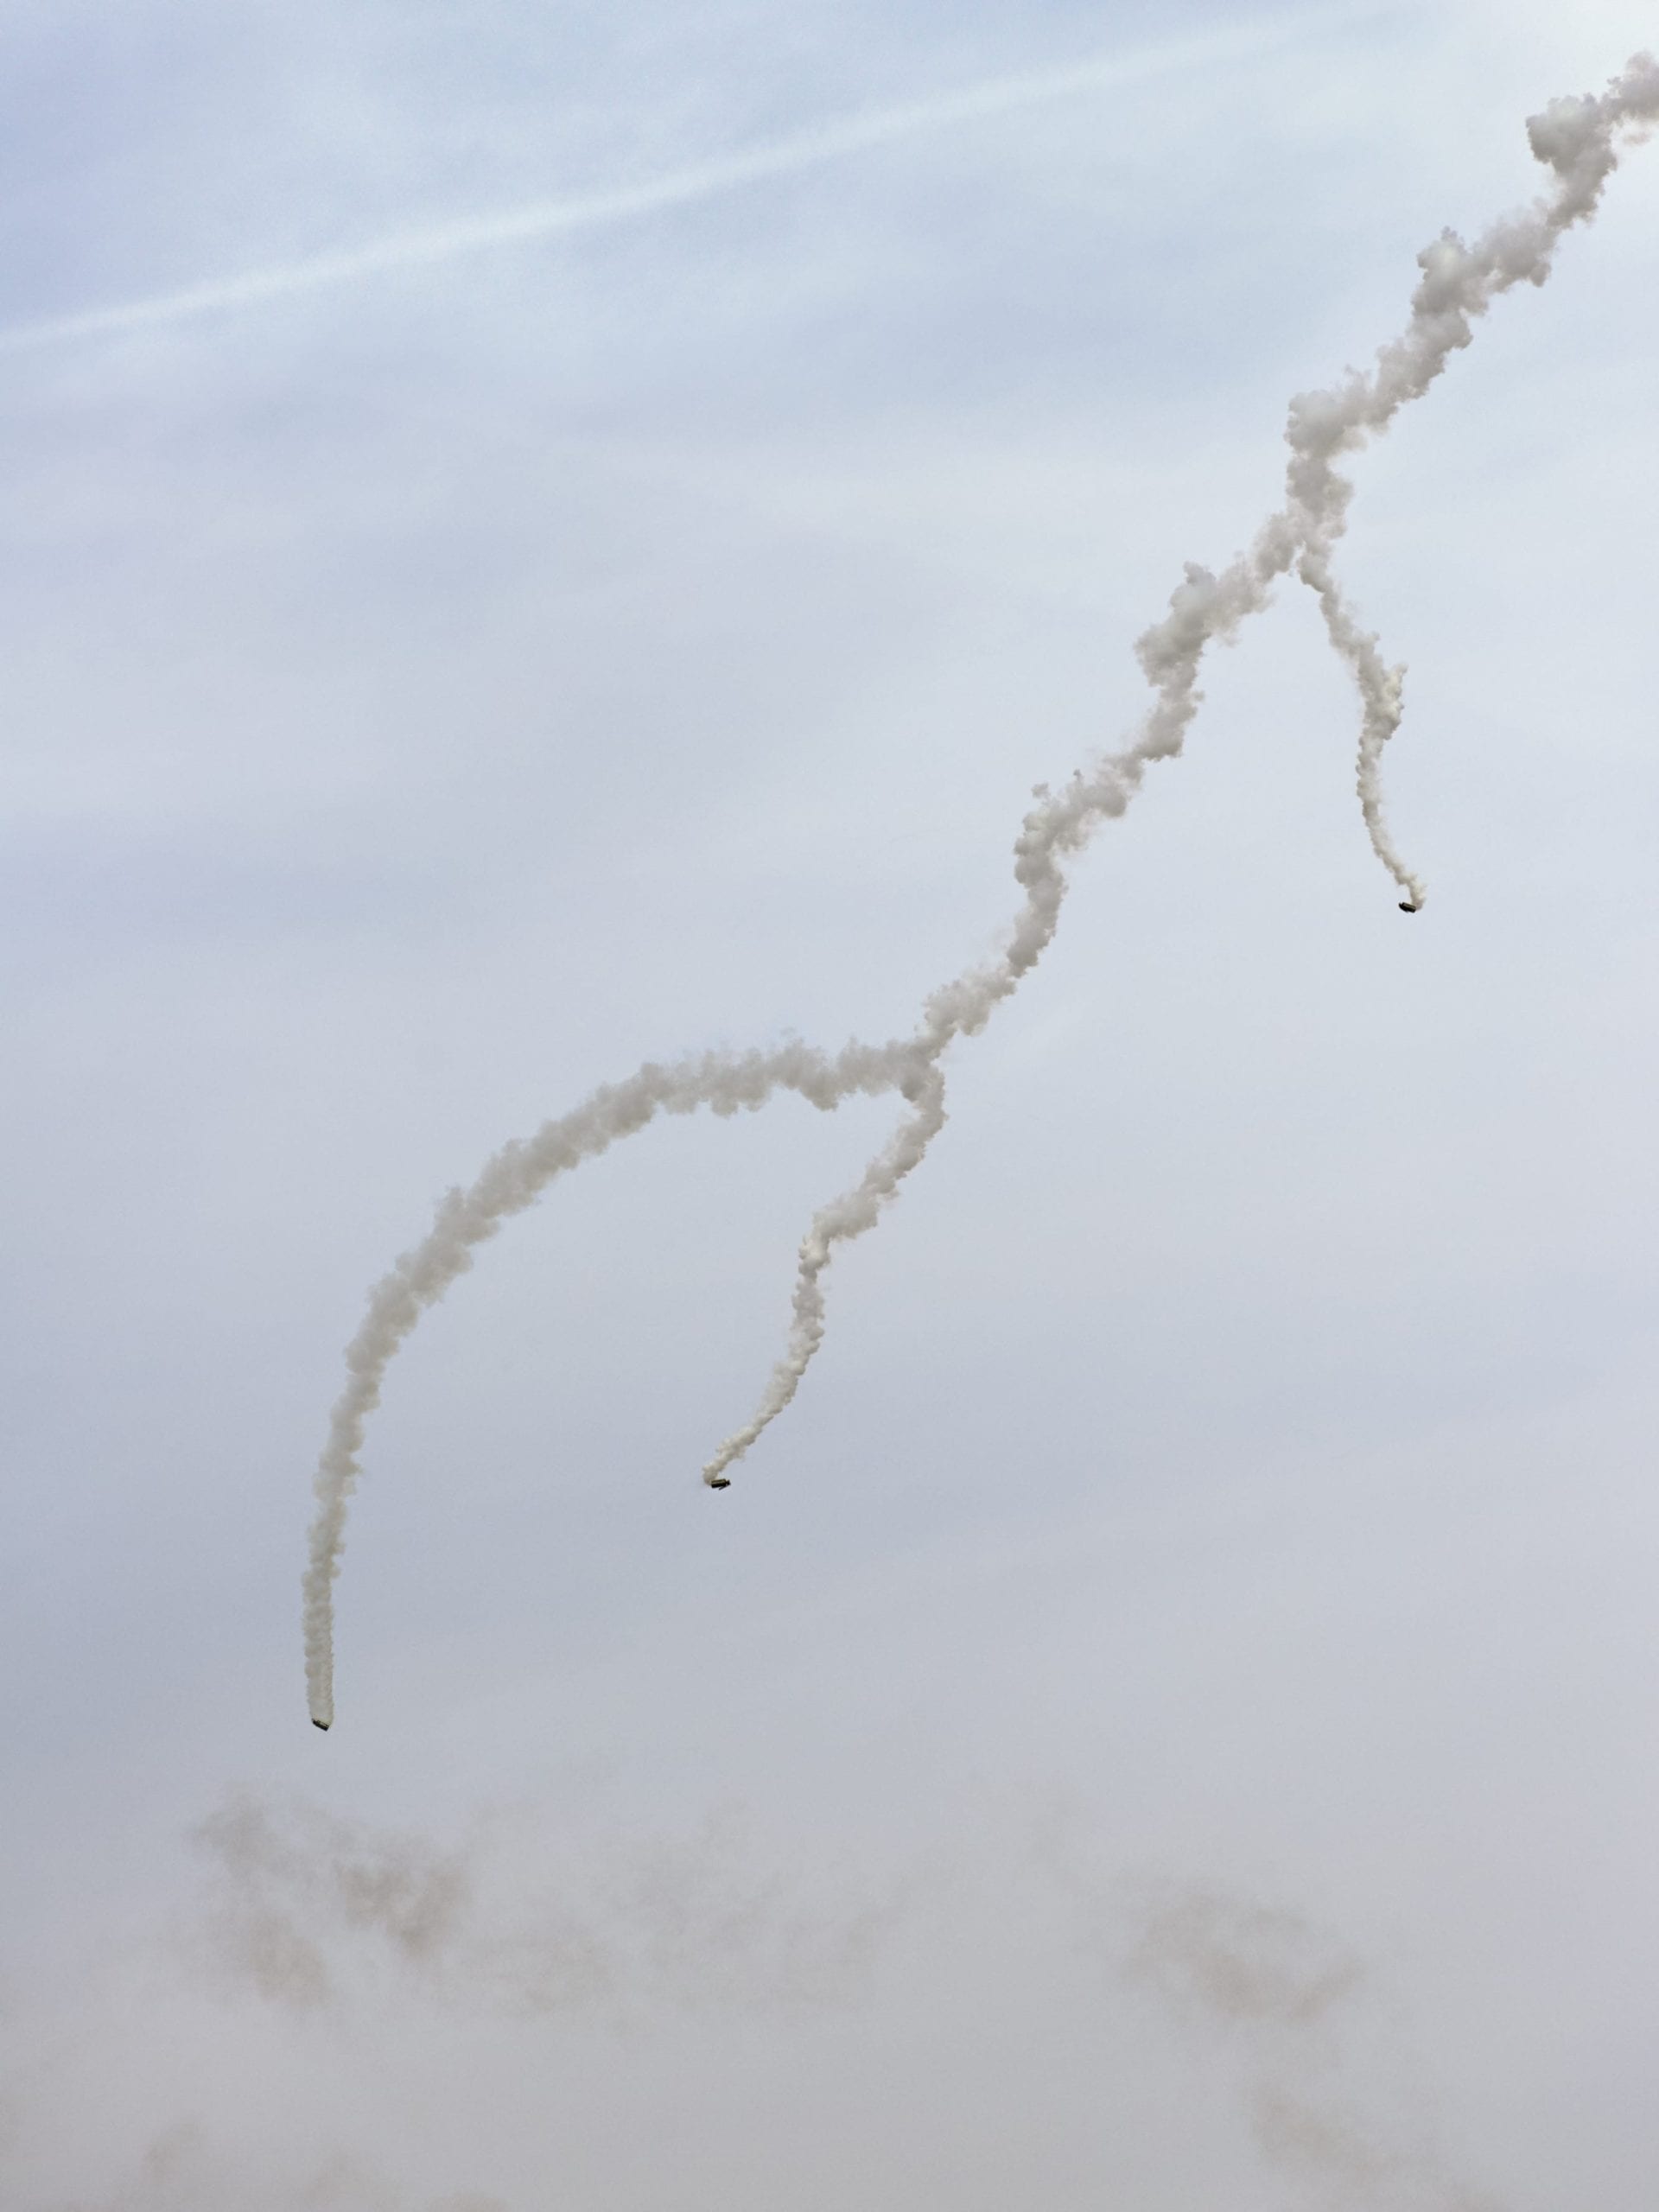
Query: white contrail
pixel 1577 140
pixel 600 209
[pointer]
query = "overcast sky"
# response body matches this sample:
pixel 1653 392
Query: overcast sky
pixel 1168 1718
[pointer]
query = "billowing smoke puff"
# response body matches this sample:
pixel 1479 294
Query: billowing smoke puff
pixel 1577 139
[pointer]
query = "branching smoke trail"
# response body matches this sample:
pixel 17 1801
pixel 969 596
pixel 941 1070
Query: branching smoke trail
pixel 1577 139
pixel 514 1178
pixel 846 1217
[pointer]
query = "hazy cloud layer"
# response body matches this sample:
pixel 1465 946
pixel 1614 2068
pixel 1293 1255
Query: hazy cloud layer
pixel 348 1937
pixel 182 2171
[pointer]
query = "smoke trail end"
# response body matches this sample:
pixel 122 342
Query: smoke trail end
pixel 315 1723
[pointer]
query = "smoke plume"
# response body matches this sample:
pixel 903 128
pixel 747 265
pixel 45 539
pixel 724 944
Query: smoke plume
pixel 526 1919
pixel 182 2171
pixel 1284 1994
pixel 533 1919
pixel 1577 139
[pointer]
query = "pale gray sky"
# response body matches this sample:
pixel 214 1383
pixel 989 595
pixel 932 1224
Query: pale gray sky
pixel 1214 1551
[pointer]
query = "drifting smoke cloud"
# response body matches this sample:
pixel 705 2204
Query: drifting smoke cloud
pixel 1282 1994
pixel 768 2021
pixel 182 2171
pixel 1577 139
pixel 521 1922
pixel 280 1883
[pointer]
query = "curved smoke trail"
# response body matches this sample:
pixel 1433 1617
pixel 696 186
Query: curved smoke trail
pixel 1577 139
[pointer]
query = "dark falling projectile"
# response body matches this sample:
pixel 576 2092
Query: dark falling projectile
pixel 319 1724
pixel 1408 905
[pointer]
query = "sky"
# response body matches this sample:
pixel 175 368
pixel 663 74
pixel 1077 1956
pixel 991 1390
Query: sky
pixel 543 539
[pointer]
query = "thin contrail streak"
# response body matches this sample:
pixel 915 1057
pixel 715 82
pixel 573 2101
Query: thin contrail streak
pixel 1577 140
pixel 600 209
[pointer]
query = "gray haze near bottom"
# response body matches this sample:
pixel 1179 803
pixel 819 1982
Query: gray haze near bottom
pixel 1162 1853
pixel 1005 2006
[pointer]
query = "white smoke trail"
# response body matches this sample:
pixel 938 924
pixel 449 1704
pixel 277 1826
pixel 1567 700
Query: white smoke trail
pixel 514 1178
pixel 848 1216
pixel 600 210
pixel 1577 139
